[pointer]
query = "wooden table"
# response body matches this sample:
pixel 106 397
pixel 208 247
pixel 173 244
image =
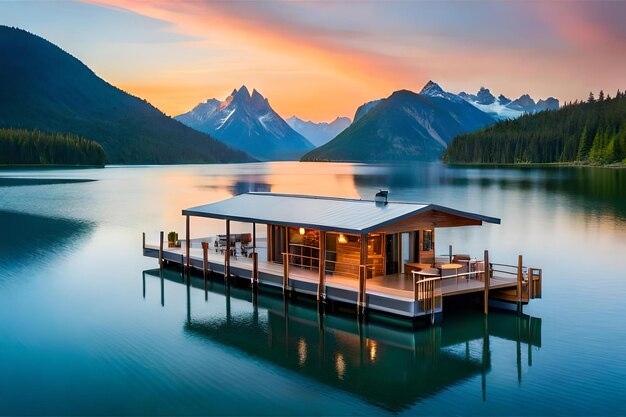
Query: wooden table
pixel 456 267
pixel 414 266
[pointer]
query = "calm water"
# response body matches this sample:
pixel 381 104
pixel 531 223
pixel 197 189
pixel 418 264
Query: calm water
pixel 88 326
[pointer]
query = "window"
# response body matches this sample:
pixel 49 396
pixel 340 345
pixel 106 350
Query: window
pixel 427 242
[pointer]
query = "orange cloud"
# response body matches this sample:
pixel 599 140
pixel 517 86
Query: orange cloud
pixel 319 70
pixel 298 69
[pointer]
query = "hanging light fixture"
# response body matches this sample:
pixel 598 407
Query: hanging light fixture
pixel 302 230
pixel 342 238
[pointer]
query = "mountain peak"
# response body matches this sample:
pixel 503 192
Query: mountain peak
pixel 245 121
pixel 432 89
pixel 502 99
pixel 242 92
pixel 484 96
pixel 256 96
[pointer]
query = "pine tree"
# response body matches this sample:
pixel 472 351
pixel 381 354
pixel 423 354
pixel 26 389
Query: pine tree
pixel 591 98
pixel 601 95
pixel 583 146
pixel 580 131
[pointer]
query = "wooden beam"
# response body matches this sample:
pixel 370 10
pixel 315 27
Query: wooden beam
pixel 487 279
pixel 227 253
pixel 188 240
pixel 429 220
pixel 285 272
pixel 255 268
pixel 362 295
pixel 205 260
pixel 161 250
pixel 253 237
pixel 519 282
pixel 321 286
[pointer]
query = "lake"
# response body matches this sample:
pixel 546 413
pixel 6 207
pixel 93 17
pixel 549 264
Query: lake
pixel 90 326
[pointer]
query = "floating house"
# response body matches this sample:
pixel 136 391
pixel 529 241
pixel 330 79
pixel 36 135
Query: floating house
pixel 376 254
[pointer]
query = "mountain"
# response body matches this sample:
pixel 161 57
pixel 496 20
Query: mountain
pixel 247 122
pixel 318 133
pixel 404 126
pixel 364 108
pixel 504 108
pixel 44 88
pixel 583 132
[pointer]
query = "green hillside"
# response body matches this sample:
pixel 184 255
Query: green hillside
pixel 18 147
pixel 44 88
pixel 403 127
pixel 593 132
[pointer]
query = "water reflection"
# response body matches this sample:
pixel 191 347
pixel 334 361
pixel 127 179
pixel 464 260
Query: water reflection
pixel 356 356
pixel 601 190
pixel 33 240
pixel 20 182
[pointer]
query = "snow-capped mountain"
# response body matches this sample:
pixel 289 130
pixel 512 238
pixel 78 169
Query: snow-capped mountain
pixel 505 108
pixel 404 126
pixel 318 133
pixel 432 89
pixel 247 121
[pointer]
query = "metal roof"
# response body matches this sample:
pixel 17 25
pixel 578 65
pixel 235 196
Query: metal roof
pixel 323 213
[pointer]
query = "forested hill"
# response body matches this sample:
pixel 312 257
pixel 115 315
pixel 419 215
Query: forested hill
pixel 593 131
pixel 44 88
pixel 18 147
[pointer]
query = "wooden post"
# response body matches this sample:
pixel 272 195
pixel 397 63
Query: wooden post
pixel 227 253
pixel 285 272
pixel 487 274
pixel 255 258
pixel 255 268
pixel 531 284
pixel 399 247
pixel 519 282
pixel 321 286
pixel 253 237
pixel 161 250
pixel 205 259
pixel 270 244
pixel 188 241
pixel 362 296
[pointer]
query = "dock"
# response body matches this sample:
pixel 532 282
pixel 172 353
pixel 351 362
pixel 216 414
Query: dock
pixel 375 255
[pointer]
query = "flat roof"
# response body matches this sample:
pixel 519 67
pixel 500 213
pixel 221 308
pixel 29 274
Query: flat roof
pixel 322 213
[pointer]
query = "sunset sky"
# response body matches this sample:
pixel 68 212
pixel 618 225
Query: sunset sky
pixel 323 59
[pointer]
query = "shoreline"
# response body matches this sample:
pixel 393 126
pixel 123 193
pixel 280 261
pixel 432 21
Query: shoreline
pixel 47 166
pixel 617 165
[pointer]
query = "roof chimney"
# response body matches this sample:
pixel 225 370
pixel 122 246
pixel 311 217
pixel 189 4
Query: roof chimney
pixel 381 198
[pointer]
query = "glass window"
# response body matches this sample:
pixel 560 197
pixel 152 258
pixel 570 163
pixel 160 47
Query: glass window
pixel 427 241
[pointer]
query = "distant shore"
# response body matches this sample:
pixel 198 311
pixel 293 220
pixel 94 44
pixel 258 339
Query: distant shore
pixel 617 165
pixel 47 166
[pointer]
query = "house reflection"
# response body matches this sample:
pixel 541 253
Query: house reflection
pixel 385 362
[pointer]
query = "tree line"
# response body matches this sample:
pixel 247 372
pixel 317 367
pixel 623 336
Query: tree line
pixel 587 131
pixel 20 146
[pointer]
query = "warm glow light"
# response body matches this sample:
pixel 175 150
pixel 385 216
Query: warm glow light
pixel 373 350
pixel 302 351
pixel 340 365
pixel 342 239
pixel 302 230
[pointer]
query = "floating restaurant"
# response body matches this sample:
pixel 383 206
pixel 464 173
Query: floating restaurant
pixel 376 255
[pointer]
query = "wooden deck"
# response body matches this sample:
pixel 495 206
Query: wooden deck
pixel 391 293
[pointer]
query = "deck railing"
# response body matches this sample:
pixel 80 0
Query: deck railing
pixel 428 296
